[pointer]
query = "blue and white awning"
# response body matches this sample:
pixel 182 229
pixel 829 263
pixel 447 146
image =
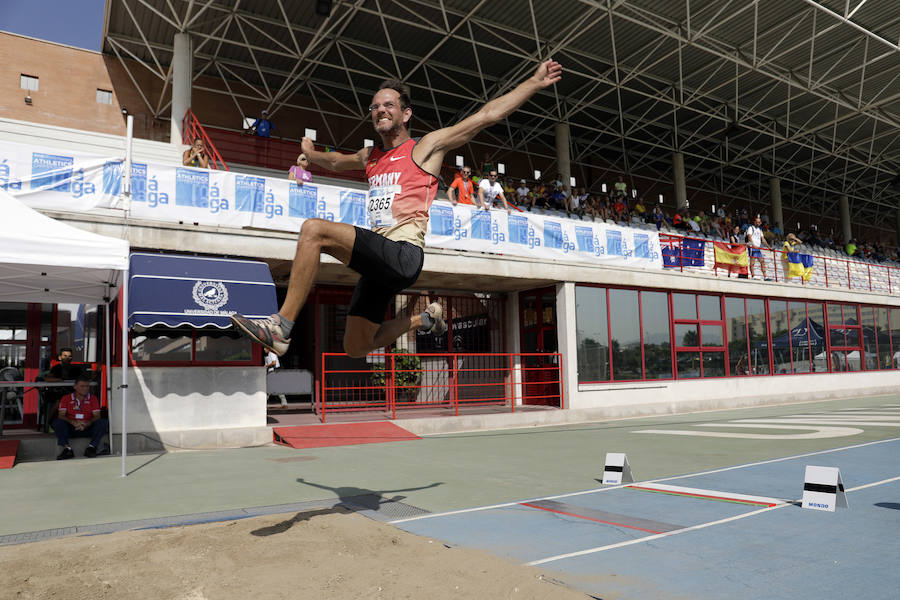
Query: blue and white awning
pixel 195 291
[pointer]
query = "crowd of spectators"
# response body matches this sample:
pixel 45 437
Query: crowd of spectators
pixel 622 205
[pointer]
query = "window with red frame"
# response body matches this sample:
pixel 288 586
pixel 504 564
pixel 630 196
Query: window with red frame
pixel 844 337
pixel 699 331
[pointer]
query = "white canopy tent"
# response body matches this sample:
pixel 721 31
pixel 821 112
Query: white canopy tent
pixel 45 260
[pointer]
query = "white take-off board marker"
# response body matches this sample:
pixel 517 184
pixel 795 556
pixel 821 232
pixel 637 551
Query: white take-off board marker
pixel 617 470
pixel 823 489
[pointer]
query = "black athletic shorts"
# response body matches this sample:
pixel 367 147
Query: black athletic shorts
pixel 386 268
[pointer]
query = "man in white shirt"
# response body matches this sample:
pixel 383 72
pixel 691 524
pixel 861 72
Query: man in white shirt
pixel 522 192
pixel 757 240
pixel 488 190
pixel 272 363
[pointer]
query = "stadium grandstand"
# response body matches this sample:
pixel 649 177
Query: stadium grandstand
pixel 620 282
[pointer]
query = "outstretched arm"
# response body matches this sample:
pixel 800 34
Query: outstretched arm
pixel 430 150
pixel 335 161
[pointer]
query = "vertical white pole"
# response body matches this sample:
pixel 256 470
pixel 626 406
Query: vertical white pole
pixel 125 282
pixel 126 183
pixel 107 376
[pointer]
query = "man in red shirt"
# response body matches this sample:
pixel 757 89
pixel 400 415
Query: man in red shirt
pixel 389 255
pixel 79 416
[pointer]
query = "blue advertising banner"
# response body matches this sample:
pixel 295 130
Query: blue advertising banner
pixel 52 179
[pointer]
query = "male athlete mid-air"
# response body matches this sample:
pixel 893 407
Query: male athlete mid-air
pixel 403 178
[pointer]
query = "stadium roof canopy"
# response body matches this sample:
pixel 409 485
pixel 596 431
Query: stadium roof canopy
pixel 808 90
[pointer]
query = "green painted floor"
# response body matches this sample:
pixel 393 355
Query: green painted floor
pixel 437 473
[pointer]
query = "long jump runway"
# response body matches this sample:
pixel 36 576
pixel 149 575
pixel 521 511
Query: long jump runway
pixel 736 532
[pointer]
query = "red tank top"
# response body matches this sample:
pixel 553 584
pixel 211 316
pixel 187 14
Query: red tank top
pixel 400 194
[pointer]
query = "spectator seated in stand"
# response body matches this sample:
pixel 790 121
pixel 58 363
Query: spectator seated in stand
pixel 659 217
pixel 620 209
pixel 640 211
pixel 79 415
pixel 298 173
pixel 196 155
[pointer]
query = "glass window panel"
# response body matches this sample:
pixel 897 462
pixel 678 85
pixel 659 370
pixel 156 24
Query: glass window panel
pixel 226 346
pixel 834 314
pixel 837 336
pixel 799 337
pixel 759 338
pixel 736 330
pixel 850 315
pixel 853 337
pixel 895 337
pixel 657 345
pixel 13 321
pixel 548 308
pixel 529 311
pixel 884 337
pixel 684 306
pixel 870 341
pixel 853 360
pixel 625 339
pixel 712 335
pixel 162 345
pixel 592 334
pixel 780 327
pixel 46 323
pixel 686 336
pixel 688 365
pixel 13 355
pixel 76 328
pixel 713 364
pixel 710 308
pixel 817 349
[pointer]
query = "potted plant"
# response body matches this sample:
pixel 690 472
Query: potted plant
pixel 407 374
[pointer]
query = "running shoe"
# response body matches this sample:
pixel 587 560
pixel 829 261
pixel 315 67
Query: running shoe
pixel 435 311
pixel 266 332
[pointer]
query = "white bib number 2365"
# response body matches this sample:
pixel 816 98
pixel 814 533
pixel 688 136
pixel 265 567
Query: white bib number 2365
pixel 380 200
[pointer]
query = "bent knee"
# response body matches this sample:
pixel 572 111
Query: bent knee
pixel 314 230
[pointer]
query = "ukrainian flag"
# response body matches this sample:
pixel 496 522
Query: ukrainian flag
pixel 732 257
pixel 801 265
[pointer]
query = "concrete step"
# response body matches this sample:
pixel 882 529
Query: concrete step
pixel 43 446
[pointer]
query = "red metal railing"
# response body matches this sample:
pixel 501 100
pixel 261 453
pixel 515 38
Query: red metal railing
pixel 828 271
pixel 449 382
pixel 191 129
pixel 271 153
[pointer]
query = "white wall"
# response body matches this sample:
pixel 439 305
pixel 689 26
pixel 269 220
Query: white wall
pixel 179 399
pixel 664 397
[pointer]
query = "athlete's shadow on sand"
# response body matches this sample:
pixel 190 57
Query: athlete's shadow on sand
pixel 350 499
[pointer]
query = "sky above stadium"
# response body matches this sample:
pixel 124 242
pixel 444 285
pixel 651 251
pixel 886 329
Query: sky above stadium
pixel 76 23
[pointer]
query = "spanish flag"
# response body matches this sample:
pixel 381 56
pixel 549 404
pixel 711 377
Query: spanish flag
pixel 732 257
pixel 801 265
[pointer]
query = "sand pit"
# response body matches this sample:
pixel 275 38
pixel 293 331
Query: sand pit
pixel 328 553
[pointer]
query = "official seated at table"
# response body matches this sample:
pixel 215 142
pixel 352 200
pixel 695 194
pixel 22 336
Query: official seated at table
pixel 79 416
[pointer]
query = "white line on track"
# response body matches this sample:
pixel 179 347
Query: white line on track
pixel 650 538
pixel 649 481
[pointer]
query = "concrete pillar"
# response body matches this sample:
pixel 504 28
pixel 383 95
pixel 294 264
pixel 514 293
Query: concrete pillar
pixel 775 195
pixel 562 156
pixel 845 217
pixel 567 339
pixel 680 186
pixel 182 73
